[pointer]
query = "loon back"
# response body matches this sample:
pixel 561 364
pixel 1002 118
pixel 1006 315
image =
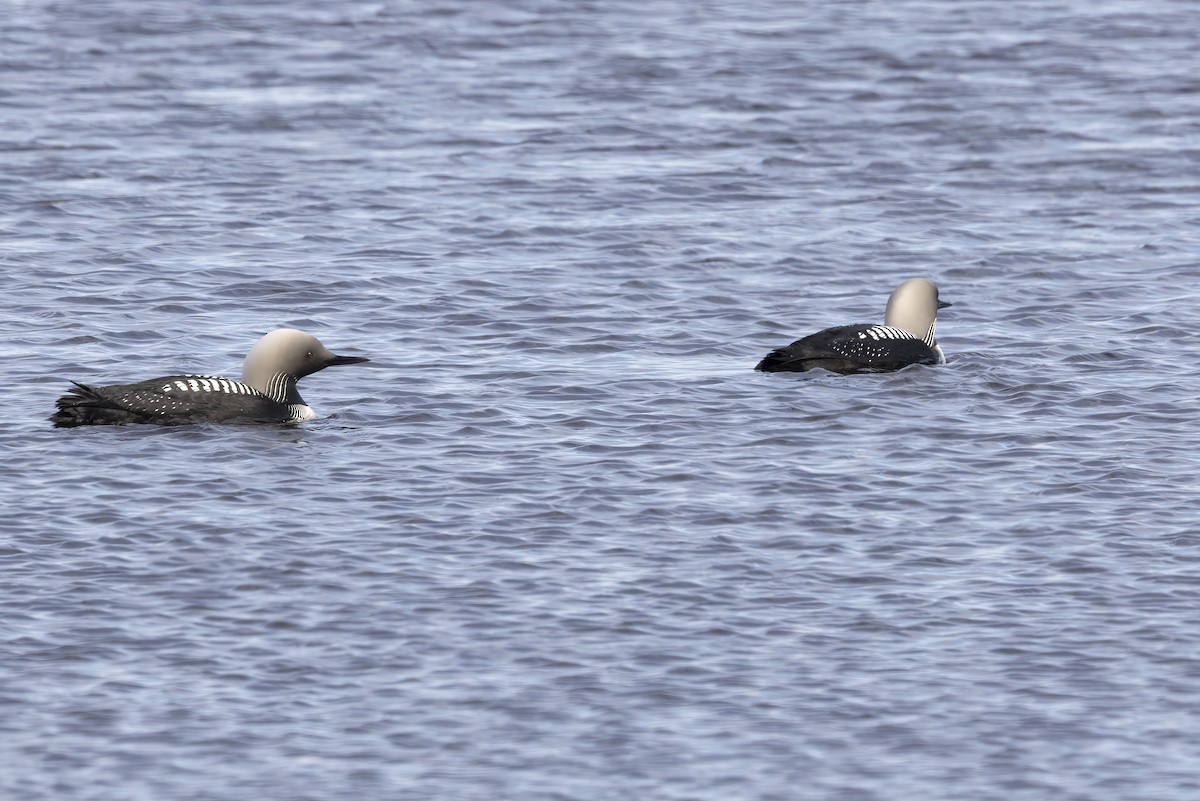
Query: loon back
pixel 174 400
pixel 906 337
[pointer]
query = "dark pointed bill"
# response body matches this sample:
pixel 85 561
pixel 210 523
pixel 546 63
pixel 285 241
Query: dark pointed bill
pixel 346 360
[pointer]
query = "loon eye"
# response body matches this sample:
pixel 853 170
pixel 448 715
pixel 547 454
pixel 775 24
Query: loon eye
pixel 308 355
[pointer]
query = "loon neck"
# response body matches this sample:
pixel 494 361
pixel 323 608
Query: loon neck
pixel 929 337
pixel 282 387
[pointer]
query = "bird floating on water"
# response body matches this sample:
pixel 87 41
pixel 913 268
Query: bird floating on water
pixel 906 337
pixel 267 392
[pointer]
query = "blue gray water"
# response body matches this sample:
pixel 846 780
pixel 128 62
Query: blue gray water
pixel 558 541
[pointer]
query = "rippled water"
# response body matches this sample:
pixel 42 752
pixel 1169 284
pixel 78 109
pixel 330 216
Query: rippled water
pixel 558 540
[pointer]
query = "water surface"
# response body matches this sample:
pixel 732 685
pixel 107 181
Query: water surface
pixel 558 540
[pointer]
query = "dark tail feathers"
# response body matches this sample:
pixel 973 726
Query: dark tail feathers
pixel 784 360
pixel 84 405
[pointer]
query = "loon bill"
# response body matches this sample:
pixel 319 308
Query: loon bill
pixel 267 392
pixel 906 337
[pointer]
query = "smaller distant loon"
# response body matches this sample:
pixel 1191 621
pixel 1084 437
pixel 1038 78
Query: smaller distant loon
pixel 906 337
pixel 267 392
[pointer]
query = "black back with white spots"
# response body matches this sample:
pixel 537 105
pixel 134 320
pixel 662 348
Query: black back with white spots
pixel 852 349
pixel 171 400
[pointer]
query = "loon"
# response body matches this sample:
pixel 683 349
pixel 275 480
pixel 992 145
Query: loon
pixel 906 337
pixel 266 394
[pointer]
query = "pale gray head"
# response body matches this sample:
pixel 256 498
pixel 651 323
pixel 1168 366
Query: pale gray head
pixel 288 353
pixel 913 308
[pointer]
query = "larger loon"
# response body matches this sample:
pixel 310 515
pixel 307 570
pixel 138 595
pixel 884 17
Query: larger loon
pixel 906 337
pixel 266 394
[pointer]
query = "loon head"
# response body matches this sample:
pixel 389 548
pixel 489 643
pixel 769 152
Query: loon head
pixel 289 353
pixel 913 308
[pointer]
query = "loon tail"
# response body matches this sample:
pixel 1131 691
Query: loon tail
pixel 788 359
pixel 84 405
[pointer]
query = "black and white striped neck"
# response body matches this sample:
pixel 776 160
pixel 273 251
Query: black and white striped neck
pixel 282 387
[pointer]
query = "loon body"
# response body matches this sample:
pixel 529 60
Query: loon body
pixel 906 337
pixel 267 392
